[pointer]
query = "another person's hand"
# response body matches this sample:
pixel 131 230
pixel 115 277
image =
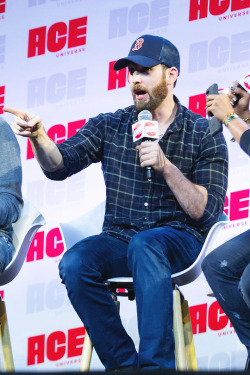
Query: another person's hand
pixel 219 105
pixel 241 98
pixel 25 124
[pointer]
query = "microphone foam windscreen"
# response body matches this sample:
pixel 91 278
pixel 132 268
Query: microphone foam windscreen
pixel 145 115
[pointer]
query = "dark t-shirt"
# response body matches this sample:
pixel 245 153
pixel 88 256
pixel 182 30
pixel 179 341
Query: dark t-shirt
pixel 245 142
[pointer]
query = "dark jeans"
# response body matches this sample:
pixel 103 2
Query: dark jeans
pixel 150 257
pixel 227 270
pixel 5 253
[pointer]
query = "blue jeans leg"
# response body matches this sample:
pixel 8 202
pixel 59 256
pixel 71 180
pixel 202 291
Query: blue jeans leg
pixel 5 253
pixel 153 255
pixel 83 270
pixel 244 284
pixel 228 274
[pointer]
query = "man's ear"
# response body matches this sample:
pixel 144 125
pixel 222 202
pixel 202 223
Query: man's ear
pixel 172 75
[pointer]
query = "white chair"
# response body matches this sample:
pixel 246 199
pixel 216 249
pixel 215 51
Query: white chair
pixel 89 224
pixel 182 328
pixel 23 233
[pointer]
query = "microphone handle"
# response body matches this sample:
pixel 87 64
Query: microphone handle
pixel 149 173
pixel 149 170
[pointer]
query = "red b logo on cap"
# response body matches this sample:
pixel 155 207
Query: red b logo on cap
pixel 138 44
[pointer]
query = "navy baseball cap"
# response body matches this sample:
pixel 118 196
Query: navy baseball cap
pixel 151 50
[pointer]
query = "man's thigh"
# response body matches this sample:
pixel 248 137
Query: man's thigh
pixel 104 253
pixel 179 247
pixel 235 253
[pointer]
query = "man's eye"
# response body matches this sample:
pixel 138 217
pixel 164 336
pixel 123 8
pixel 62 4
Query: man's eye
pixel 141 71
pixel 145 71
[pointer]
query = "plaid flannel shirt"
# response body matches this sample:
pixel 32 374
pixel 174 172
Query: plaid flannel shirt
pixel 132 203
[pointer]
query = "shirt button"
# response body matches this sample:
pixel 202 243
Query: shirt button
pixel 146 204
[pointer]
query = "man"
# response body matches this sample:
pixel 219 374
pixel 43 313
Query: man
pixel 10 190
pixel 151 229
pixel 227 268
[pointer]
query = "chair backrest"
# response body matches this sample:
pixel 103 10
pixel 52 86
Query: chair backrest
pixel 23 233
pixel 193 272
pixel 86 225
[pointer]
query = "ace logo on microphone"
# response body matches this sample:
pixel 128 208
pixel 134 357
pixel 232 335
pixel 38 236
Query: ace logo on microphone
pixel 145 129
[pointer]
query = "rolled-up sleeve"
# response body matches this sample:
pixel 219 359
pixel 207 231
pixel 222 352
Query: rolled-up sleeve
pixel 81 150
pixel 211 171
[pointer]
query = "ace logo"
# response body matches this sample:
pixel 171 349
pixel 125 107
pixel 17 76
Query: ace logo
pixel 57 36
pixel 2 6
pixel 55 346
pixel 200 8
pixel 2 92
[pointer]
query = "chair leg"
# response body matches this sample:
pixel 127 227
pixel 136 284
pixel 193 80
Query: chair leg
pixel 86 353
pixel 180 355
pixel 5 340
pixel 188 337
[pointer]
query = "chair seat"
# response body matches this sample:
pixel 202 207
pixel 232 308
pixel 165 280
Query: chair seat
pixel 122 286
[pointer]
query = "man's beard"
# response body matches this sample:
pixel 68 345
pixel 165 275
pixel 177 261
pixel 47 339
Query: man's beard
pixel 159 93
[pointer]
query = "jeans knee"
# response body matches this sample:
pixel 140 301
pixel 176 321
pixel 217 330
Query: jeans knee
pixel 146 256
pixel 5 253
pixel 244 288
pixel 70 264
pixel 141 245
pixel 205 265
pixel 210 263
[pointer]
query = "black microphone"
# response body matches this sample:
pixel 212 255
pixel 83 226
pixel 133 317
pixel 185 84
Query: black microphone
pixel 145 130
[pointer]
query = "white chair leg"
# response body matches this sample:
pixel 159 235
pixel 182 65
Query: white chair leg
pixel 5 340
pixel 86 353
pixel 188 338
pixel 180 353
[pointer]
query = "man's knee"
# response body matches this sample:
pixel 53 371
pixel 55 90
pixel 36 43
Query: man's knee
pixel 244 285
pixel 209 263
pixel 69 263
pixel 141 245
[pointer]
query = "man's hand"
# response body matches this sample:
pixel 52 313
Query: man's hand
pixel 25 124
pixel 45 150
pixel 191 197
pixel 151 154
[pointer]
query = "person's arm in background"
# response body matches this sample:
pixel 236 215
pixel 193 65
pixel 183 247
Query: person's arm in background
pixel 221 106
pixel 45 150
pixel 10 177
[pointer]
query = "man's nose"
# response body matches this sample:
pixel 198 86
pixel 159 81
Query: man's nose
pixel 136 77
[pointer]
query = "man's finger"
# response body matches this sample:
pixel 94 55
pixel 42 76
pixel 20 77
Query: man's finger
pixel 17 112
pixel 12 110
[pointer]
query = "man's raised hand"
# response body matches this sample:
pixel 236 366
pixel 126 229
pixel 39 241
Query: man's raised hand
pixel 25 124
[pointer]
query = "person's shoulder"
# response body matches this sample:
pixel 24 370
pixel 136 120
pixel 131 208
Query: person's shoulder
pixel 193 116
pixel 5 128
pixel 121 112
pixel 3 123
pixel 121 115
pixel 191 119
